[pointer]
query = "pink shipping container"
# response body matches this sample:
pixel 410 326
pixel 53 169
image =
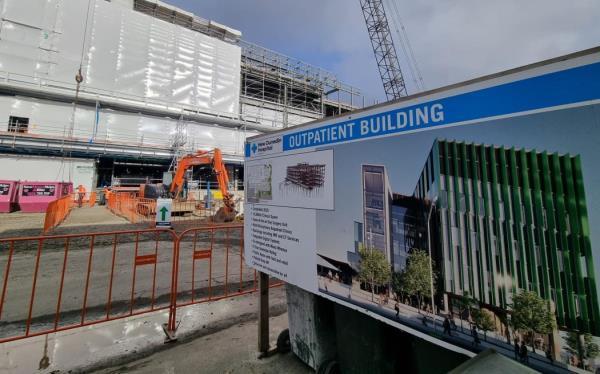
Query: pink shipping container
pixel 34 197
pixel 9 195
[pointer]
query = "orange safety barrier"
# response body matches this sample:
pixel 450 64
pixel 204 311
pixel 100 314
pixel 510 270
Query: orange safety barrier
pixel 98 277
pixel 56 212
pixel 136 209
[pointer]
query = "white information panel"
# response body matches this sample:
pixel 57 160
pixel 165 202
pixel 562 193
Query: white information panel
pixel 279 237
pixel 485 193
pixel 163 212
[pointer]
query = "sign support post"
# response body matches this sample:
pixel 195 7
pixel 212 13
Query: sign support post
pixel 263 314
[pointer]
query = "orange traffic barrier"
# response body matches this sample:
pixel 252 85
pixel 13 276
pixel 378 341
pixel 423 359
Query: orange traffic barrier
pixel 57 212
pixel 100 277
pixel 137 209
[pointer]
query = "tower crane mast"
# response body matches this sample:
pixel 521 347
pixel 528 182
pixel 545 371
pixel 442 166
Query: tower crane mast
pixel 383 48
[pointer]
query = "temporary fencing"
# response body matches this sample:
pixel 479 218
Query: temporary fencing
pixel 137 209
pixel 56 283
pixel 56 212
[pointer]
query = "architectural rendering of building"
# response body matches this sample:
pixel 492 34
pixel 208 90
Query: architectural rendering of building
pixel 306 175
pixel 500 220
pixel 407 228
pixel 376 208
pixel 509 219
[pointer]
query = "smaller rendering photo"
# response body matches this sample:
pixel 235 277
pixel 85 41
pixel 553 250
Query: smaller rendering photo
pixel 301 180
pixel 259 187
pixel 304 178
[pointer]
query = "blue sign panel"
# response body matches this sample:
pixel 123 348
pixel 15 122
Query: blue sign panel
pixel 550 90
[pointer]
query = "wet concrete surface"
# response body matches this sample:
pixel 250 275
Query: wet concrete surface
pixel 232 350
pixel 214 337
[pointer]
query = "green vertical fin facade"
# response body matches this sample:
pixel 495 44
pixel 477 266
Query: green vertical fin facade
pixel 512 220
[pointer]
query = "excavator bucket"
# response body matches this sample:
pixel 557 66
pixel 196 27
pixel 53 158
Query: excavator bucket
pixel 224 215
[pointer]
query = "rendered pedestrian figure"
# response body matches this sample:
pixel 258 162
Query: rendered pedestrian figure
pixel 397 309
pixel 549 355
pixel 524 353
pixel 476 340
pixel 517 349
pixel 447 326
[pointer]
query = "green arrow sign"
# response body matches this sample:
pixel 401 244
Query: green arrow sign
pixel 163 211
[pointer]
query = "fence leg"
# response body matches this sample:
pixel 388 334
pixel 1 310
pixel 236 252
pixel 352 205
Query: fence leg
pixel 170 328
pixel 263 314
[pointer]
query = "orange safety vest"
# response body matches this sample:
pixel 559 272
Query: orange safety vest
pixel 81 189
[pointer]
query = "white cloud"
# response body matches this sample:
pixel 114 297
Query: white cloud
pixel 452 40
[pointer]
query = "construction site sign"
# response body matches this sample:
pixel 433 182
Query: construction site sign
pixel 163 212
pixel 484 194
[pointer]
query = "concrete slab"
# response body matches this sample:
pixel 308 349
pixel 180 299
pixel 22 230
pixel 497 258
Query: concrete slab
pixel 96 215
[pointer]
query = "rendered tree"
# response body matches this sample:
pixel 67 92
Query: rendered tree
pixel 374 268
pixel 592 350
pixel 572 341
pixel 418 275
pixel 399 284
pixel 464 303
pixel 484 320
pixel 531 313
pixel 573 347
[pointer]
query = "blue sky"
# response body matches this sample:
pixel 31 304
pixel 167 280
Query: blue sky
pixel 452 40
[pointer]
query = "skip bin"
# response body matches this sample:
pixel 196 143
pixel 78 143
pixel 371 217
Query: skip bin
pixel 34 197
pixel 9 196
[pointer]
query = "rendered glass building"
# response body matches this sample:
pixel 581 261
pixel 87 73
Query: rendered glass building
pixel 509 219
pixel 407 228
pixel 376 193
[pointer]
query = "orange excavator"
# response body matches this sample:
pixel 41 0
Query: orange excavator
pixel 214 158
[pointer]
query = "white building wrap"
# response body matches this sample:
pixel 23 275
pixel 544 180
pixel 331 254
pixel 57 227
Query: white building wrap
pixel 51 119
pixel 48 169
pixel 122 51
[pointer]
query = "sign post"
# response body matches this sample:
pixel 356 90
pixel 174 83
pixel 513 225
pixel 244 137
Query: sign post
pixel 163 212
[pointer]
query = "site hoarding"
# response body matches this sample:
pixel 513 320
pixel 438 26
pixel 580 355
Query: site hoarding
pixel 447 214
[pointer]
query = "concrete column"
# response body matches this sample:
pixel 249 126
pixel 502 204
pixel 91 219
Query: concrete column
pixel 312 327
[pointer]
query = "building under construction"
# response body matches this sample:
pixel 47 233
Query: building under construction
pixel 306 175
pixel 94 90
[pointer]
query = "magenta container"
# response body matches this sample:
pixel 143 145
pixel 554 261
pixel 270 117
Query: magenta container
pixel 9 196
pixel 34 197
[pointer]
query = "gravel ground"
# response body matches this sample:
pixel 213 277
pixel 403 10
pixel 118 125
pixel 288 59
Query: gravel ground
pixel 228 274
pixel 95 219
